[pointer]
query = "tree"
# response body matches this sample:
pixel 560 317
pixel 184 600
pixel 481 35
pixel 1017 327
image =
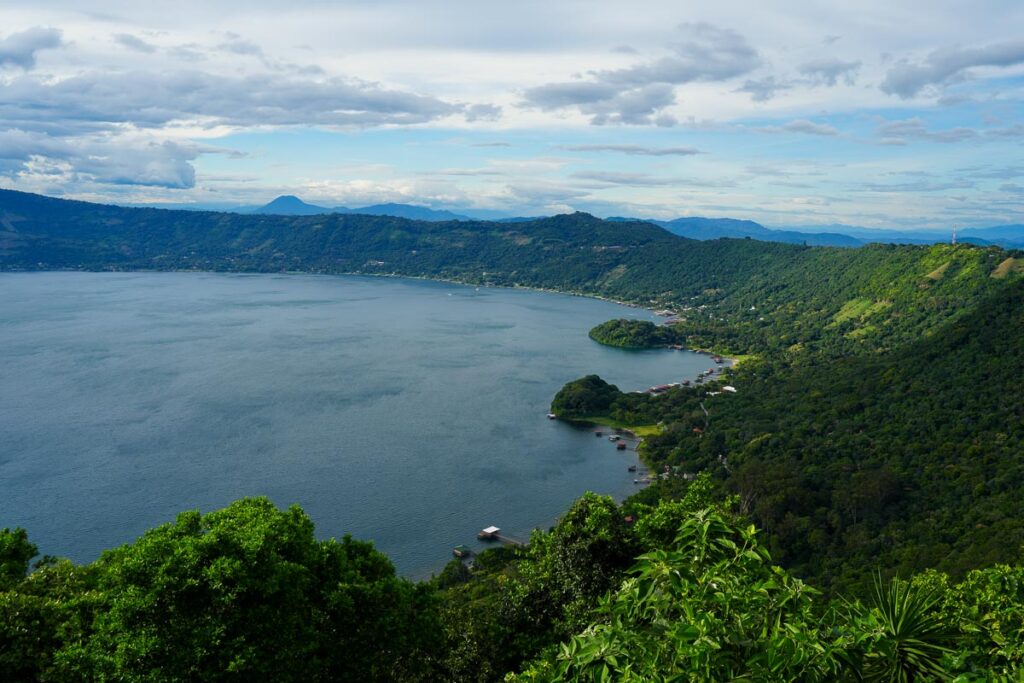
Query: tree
pixel 248 592
pixel 16 551
pixel 710 608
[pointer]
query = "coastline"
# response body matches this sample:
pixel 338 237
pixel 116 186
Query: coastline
pixel 639 432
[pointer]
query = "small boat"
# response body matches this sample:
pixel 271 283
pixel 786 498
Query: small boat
pixel 461 551
pixel 552 416
pixel 614 437
pixel 631 468
pixel 598 433
pixel 621 445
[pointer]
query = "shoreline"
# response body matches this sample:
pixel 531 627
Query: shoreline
pixel 637 432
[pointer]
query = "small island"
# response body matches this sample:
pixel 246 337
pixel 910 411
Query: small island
pixel 635 334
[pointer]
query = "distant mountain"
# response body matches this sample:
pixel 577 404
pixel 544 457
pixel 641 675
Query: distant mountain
pixel 1004 235
pixel 699 228
pixel 290 205
pixel 1001 235
pixel 410 211
pixel 693 227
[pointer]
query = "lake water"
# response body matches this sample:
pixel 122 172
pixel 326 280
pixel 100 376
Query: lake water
pixel 407 412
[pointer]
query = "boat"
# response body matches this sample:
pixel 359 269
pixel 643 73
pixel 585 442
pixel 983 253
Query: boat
pixel 614 437
pixel 631 468
pixel 461 551
pixel 552 416
pixel 598 433
pixel 621 445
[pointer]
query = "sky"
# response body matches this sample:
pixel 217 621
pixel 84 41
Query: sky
pixel 880 113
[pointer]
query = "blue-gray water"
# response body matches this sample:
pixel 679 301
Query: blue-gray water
pixel 407 412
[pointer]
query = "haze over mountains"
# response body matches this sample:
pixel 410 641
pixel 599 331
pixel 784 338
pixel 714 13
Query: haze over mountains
pixel 693 227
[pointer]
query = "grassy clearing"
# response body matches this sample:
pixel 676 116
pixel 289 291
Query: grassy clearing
pixel 938 272
pixel 605 421
pixel 854 308
pixel 1010 265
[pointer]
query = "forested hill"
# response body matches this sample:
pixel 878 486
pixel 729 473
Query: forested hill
pixel 898 461
pixel 878 431
pixel 735 294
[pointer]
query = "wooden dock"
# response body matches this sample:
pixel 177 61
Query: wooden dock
pixel 493 533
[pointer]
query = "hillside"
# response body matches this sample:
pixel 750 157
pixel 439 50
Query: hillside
pixel 902 461
pixel 290 205
pixel 878 431
pixel 736 295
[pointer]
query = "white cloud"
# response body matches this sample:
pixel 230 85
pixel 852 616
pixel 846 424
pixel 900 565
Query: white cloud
pixel 829 71
pixel 134 43
pixel 637 94
pixel 19 49
pixel 907 79
pixel 801 126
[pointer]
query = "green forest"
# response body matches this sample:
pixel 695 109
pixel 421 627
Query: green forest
pixel 850 512
pixel 634 334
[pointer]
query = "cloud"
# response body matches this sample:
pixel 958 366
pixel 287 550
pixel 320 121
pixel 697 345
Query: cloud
pixel 635 150
pixel 920 186
pixel 637 94
pixel 801 126
pixel 829 71
pixel 237 45
pixel 638 106
pixel 19 49
pixel 764 89
pixel 898 132
pixel 134 43
pixel 705 53
pixel 107 101
pixel 112 161
pixel 620 178
pixel 482 112
pixel 941 67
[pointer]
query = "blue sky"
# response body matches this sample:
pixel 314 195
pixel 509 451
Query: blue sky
pixel 789 113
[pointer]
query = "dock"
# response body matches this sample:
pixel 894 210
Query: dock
pixel 493 533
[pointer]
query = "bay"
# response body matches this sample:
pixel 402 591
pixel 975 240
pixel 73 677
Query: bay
pixel 407 412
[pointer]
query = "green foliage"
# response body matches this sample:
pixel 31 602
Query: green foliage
pixel 901 637
pixel 988 608
pixel 897 461
pixel 244 592
pixel 587 396
pixel 879 430
pixel 15 554
pixel 634 334
pixel 710 608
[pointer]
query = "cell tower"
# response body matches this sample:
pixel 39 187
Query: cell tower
pixel 954 236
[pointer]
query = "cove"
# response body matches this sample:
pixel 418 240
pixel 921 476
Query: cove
pixel 406 412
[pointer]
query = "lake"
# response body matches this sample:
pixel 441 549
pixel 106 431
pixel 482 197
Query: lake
pixel 407 412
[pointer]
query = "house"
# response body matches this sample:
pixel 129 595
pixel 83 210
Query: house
pixel 731 389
